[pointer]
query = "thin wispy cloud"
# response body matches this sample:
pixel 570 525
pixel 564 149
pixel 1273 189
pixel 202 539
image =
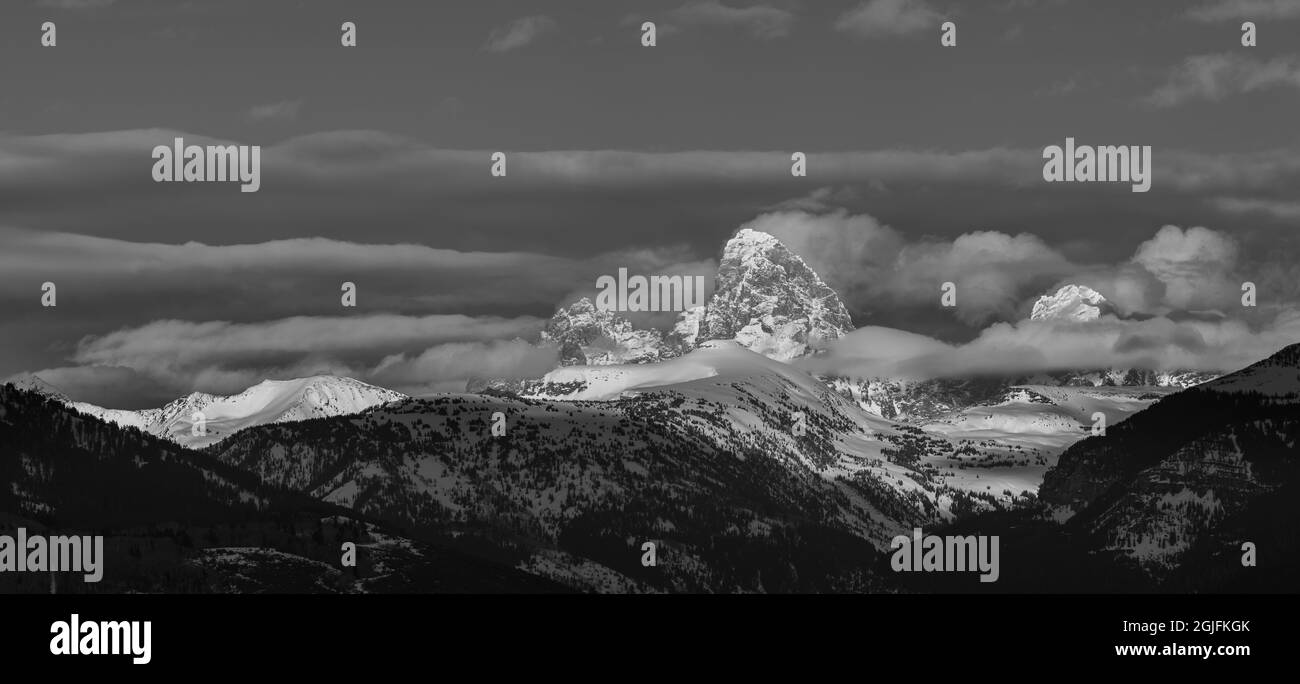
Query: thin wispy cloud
pixel 759 21
pixel 1281 209
pixel 877 18
pixel 284 110
pixel 74 4
pixel 1254 10
pixel 520 33
pixel 1060 88
pixel 1219 76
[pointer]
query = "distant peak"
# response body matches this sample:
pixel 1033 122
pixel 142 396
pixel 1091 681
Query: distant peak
pixel 770 301
pixel 751 236
pixel 1070 303
pixel 37 384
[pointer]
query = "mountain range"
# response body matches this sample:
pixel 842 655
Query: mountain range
pixel 746 472
pixel 200 419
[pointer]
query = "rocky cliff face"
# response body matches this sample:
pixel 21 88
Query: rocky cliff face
pixel 588 336
pixel 770 301
pixel 767 299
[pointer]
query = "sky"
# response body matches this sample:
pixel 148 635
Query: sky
pixel 924 166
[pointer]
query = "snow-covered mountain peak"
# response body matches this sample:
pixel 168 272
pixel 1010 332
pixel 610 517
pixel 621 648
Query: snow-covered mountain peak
pixel 270 401
pixel 1070 303
pixel 748 242
pixel 34 383
pixel 589 336
pixel 770 301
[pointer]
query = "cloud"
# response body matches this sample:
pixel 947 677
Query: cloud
pixel 876 18
pixel 74 4
pixel 1029 347
pixel 324 185
pixel 1281 209
pixel 519 33
pixel 306 274
pixel 288 275
pixel 225 357
pixel 198 316
pixel 873 266
pixel 443 237
pixel 1176 270
pixel 1059 88
pixel 820 200
pixel 1218 76
pixel 1194 265
pixel 447 367
pixel 1255 10
pixel 284 110
pixel 998 275
pixel 760 21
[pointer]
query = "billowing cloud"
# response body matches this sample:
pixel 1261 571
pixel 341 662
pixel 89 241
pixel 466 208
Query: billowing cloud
pixel 874 267
pixel 998 275
pixel 876 18
pixel 1194 265
pixel 519 33
pixel 1192 270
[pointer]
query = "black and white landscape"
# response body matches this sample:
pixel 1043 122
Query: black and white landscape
pixel 401 342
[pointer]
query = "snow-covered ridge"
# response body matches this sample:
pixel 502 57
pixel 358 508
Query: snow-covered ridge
pixel 270 401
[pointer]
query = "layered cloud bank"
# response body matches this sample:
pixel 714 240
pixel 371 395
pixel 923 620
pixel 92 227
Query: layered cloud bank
pixel 464 265
pixel 412 354
pixel 1029 347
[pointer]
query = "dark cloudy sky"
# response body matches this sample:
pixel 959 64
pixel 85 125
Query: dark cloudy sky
pixel 925 166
